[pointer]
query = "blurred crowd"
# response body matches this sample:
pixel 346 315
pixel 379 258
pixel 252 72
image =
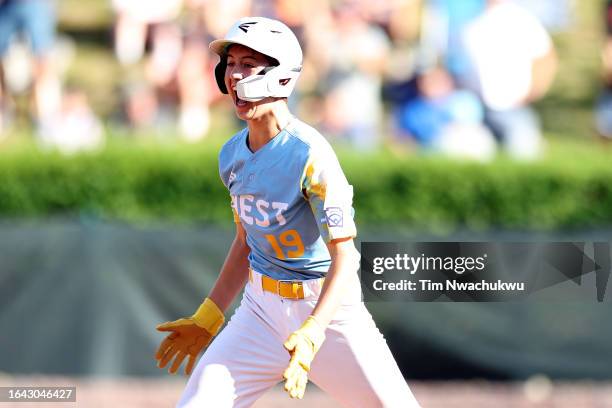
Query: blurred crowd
pixel 457 77
pixel 603 111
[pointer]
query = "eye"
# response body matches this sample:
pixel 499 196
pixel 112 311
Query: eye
pixel 231 64
pixel 248 65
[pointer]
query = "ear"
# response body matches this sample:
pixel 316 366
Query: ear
pixel 220 74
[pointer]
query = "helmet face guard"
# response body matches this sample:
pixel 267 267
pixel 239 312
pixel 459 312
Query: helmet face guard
pixel 275 82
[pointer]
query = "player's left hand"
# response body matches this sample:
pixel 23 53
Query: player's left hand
pixel 302 345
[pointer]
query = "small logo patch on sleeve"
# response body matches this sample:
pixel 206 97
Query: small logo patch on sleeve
pixel 334 216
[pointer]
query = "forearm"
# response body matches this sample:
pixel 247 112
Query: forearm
pixel 341 275
pixel 233 275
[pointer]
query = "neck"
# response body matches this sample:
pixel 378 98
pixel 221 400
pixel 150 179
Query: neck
pixel 268 125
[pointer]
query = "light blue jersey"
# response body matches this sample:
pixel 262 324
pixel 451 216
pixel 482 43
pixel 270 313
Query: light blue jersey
pixel 291 197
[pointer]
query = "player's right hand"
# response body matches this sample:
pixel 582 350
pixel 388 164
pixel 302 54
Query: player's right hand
pixel 189 336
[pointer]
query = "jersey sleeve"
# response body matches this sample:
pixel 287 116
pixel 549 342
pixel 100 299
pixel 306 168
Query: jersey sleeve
pixel 330 195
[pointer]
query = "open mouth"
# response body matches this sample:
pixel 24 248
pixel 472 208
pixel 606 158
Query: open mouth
pixel 238 101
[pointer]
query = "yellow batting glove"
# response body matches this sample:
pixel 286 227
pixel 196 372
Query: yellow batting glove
pixel 188 336
pixel 302 345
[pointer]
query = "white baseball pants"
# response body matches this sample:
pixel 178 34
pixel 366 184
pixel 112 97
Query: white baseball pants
pixel 247 358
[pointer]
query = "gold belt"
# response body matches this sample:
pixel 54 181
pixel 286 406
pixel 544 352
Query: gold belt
pixel 284 288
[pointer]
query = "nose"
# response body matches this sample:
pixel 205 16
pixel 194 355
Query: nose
pixel 234 75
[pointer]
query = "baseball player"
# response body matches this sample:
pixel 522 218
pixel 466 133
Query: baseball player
pixel 301 315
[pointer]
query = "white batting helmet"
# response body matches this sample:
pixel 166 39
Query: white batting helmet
pixel 271 38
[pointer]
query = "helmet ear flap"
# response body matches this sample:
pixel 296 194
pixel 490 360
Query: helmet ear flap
pixel 220 74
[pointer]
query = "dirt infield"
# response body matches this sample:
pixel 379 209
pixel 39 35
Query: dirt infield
pixel 156 393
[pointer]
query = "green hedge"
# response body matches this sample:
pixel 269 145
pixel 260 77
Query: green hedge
pixel 571 189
